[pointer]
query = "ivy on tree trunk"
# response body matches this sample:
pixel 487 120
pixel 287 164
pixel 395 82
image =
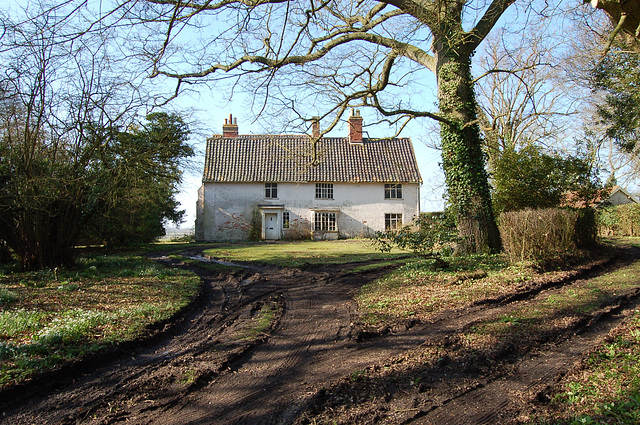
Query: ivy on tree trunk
pixel 463 160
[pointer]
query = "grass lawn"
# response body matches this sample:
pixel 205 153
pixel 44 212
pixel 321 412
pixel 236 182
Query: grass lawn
pixel 420 289
pixel 297 254
pixel 49 317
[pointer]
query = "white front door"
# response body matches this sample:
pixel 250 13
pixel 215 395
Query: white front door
pixel 271 229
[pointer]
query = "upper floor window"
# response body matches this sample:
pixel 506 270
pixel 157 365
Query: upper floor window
pixel 271 190
pixel 324 190
pixel 392 221
pixel 393 191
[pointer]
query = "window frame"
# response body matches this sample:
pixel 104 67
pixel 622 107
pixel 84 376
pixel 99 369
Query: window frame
pixel 271 190
pixel 392 219
pixel 393 191
pixel 286 219
pixel 325 221
pixel 324 190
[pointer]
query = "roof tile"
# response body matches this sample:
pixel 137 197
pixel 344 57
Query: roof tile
pixel 253 158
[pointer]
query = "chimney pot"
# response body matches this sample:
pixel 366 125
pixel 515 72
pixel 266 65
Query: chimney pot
pixel 315 127
pixel 355 127
pixel 230 127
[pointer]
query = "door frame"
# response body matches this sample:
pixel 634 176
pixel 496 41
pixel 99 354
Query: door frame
pixel 276 210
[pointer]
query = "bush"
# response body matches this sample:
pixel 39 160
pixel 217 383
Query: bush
pixel 431 235
pixel 186 238
pixel 5 253
pixel 255 231
pixel 586 228
pixel 621 220
pixel 299 230
pixel 539 234
pixel 533 178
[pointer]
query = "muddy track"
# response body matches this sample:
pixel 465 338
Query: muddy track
pixel 205 371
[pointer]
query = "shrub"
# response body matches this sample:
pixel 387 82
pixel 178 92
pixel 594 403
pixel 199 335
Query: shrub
pixel 586 228
pixel 621 220
pixel 299 230
pixel 255 231
pixel 533 178
pixel 431 235
pixel 186 238
pixel 539 234
pixel 5 254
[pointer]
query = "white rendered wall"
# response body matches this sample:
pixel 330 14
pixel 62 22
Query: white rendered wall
pixel 225 209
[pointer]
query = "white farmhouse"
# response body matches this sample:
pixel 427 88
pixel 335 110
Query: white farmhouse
pixel 287 186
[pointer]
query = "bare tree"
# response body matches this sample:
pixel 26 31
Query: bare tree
pixel 524 94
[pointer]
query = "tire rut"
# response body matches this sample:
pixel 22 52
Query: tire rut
pixel 536 372
pixel 204 373
pixel 460 392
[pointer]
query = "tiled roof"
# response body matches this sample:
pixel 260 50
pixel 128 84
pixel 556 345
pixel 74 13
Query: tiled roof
pixel 252 158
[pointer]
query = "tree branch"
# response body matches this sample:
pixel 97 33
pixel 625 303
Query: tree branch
pixel 616 30
pixel 487 22
pixel 406 50
pixel 208 5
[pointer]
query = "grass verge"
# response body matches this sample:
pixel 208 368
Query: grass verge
pixel 559 310
pixel 606 390
pixel 53 316
pixel 420 289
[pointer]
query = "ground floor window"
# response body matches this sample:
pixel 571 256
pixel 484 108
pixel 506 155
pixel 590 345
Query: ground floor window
pixel 285 220
pixel 392 221
pixel 325 221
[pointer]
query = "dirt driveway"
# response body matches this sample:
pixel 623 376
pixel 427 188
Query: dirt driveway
pixel 306 368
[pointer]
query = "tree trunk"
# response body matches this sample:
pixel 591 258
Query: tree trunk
pixel 48 240
pixel 625 18
pixel 463 160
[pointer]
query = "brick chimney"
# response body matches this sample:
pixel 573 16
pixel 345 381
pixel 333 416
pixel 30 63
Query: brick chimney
pixel 355 127
pixel 315 127
pixel 230 127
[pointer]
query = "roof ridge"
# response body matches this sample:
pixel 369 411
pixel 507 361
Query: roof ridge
pixel 299 136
